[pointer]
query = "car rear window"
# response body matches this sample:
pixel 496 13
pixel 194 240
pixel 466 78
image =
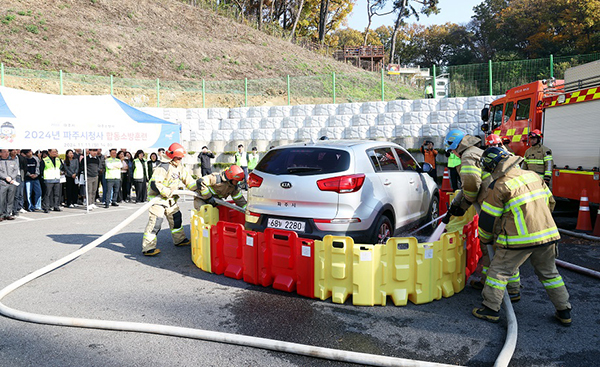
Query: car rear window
pixel 304 161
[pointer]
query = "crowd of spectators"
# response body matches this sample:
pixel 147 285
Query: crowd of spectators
pixel 43 181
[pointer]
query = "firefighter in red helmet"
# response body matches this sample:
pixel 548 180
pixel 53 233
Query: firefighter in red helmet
pixel 538 158
pixel 493 140
pixel 167 177
pixel 221 186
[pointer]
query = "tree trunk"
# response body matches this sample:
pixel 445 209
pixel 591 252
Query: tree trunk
pixel 367 30
pixel 395 34
pixel 296 20
pixel 323 19
pixel 260 14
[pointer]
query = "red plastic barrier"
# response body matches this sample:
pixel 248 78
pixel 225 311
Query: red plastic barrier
pixel 473 252
pixel 231 215
pixel 253 241
pixel 305 267
pixel 229 242
pixel 217 262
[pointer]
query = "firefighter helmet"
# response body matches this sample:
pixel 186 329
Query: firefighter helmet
pixel 453 139
pixel 175 150
pixel 234 173
pixel 492 157
pixel 492 140
pixel 535 134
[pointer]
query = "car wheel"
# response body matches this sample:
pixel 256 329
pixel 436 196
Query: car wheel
pixel 434 212
pixel 383 230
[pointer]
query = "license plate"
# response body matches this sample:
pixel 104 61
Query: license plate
pixel 290 225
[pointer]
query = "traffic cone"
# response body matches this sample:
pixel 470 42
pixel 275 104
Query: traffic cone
pixel 597 225
pixel 446 187
pixel 584 220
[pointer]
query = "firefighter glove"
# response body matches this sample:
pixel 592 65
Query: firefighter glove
pixel 455 211
pixel 211 200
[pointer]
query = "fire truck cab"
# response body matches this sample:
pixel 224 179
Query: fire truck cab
pixel 567 112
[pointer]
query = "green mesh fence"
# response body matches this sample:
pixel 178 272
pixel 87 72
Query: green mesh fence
pixel 474 79
pixel 465 81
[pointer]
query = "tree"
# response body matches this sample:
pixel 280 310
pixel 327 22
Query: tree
pixel 373 6
pixel 296 18
pixel 405 9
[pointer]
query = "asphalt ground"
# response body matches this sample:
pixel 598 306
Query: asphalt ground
pixel 115 282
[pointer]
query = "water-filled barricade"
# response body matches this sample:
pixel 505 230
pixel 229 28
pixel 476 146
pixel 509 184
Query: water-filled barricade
pixel 403 269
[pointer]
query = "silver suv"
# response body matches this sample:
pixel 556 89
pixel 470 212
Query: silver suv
pixel 364 189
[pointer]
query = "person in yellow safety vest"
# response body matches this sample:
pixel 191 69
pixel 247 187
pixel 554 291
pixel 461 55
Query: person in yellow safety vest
pixel 253 159
pixel 51 168
pixel 453 162
pixel 522 203
pixel 113 178
pixel 538 158
pixel 140 177
pixel 221 186
pixel 429 91
pixel 241 160
pixel 167 177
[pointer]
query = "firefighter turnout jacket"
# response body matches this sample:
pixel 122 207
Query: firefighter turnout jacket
pixel 217 185
pixel 469 170
pixel 522 203
pixel 166 178
pixel 538 159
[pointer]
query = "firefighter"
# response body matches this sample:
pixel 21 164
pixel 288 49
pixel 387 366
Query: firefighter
pixel 221 186
pixel 167 177
pixel 538 158
pixel 522 203
pixel 466 148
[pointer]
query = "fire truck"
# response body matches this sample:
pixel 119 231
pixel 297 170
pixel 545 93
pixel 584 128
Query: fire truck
pixel 568 114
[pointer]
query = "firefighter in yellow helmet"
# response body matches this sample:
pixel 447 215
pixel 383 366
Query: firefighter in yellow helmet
pixel 538 158
pixel 221 186
pixel 167 177
pixel 521 202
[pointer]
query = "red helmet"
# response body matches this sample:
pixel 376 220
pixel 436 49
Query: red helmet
pixel 505 140
pixel 234 173
pixel 492 140
pixel 535 134
pixel 175 150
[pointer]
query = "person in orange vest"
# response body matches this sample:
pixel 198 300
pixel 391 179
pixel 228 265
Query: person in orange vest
pixel 429 155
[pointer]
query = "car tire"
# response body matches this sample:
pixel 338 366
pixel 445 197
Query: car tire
pixel 434 212
pixel 383 230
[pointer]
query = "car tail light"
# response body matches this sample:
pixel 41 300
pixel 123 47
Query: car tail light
pixel 252 217
pixel 342 184
pixel 254 180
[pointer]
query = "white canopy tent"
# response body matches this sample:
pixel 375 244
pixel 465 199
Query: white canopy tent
pixel 30 120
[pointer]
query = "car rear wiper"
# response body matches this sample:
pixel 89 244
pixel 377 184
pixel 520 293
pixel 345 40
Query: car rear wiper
pixel 303 169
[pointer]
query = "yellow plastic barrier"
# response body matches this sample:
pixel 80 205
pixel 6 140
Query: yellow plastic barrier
pixel 398 269
pixel 428 277
pixel 367 275
pixel 453 263
pixel 457 224
pixel 333 268
pixel 200 241
pixel 210 214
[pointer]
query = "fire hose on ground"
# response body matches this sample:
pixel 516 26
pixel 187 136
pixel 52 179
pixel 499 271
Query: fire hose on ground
pixel 207 335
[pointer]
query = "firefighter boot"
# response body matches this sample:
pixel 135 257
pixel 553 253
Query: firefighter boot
pixel 152 252
pixel 486 313
pixel 564 316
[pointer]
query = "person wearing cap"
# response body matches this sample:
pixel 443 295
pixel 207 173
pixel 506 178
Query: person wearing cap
pixel 538 158
pixel 167 177
pixel 253 159
pixel 221 186
pixel 516 216
pixel 205 165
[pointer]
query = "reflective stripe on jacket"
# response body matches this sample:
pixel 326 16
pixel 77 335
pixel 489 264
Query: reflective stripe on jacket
pixel 217 185
pixel 167 177
pixel 538 159
pixel 469 169
pixel 522 203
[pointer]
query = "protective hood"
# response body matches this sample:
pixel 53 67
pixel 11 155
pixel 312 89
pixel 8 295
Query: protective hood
pixel 467 142
pixel 507 165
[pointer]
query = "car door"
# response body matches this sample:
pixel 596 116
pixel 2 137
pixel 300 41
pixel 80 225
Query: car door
pixel 415 185
pixel 395 184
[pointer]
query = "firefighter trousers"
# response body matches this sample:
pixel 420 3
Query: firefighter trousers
pixel 514 282
pixel 157 213
pixel 507 262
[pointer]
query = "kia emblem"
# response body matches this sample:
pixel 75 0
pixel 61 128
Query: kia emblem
pixel 286 185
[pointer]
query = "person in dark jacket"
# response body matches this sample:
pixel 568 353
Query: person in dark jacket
pixel 92 163
pixel 32 183
pixel 9 170
pixel 153 162
pixel 140 176
pixel 205 165
pixel 71 170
